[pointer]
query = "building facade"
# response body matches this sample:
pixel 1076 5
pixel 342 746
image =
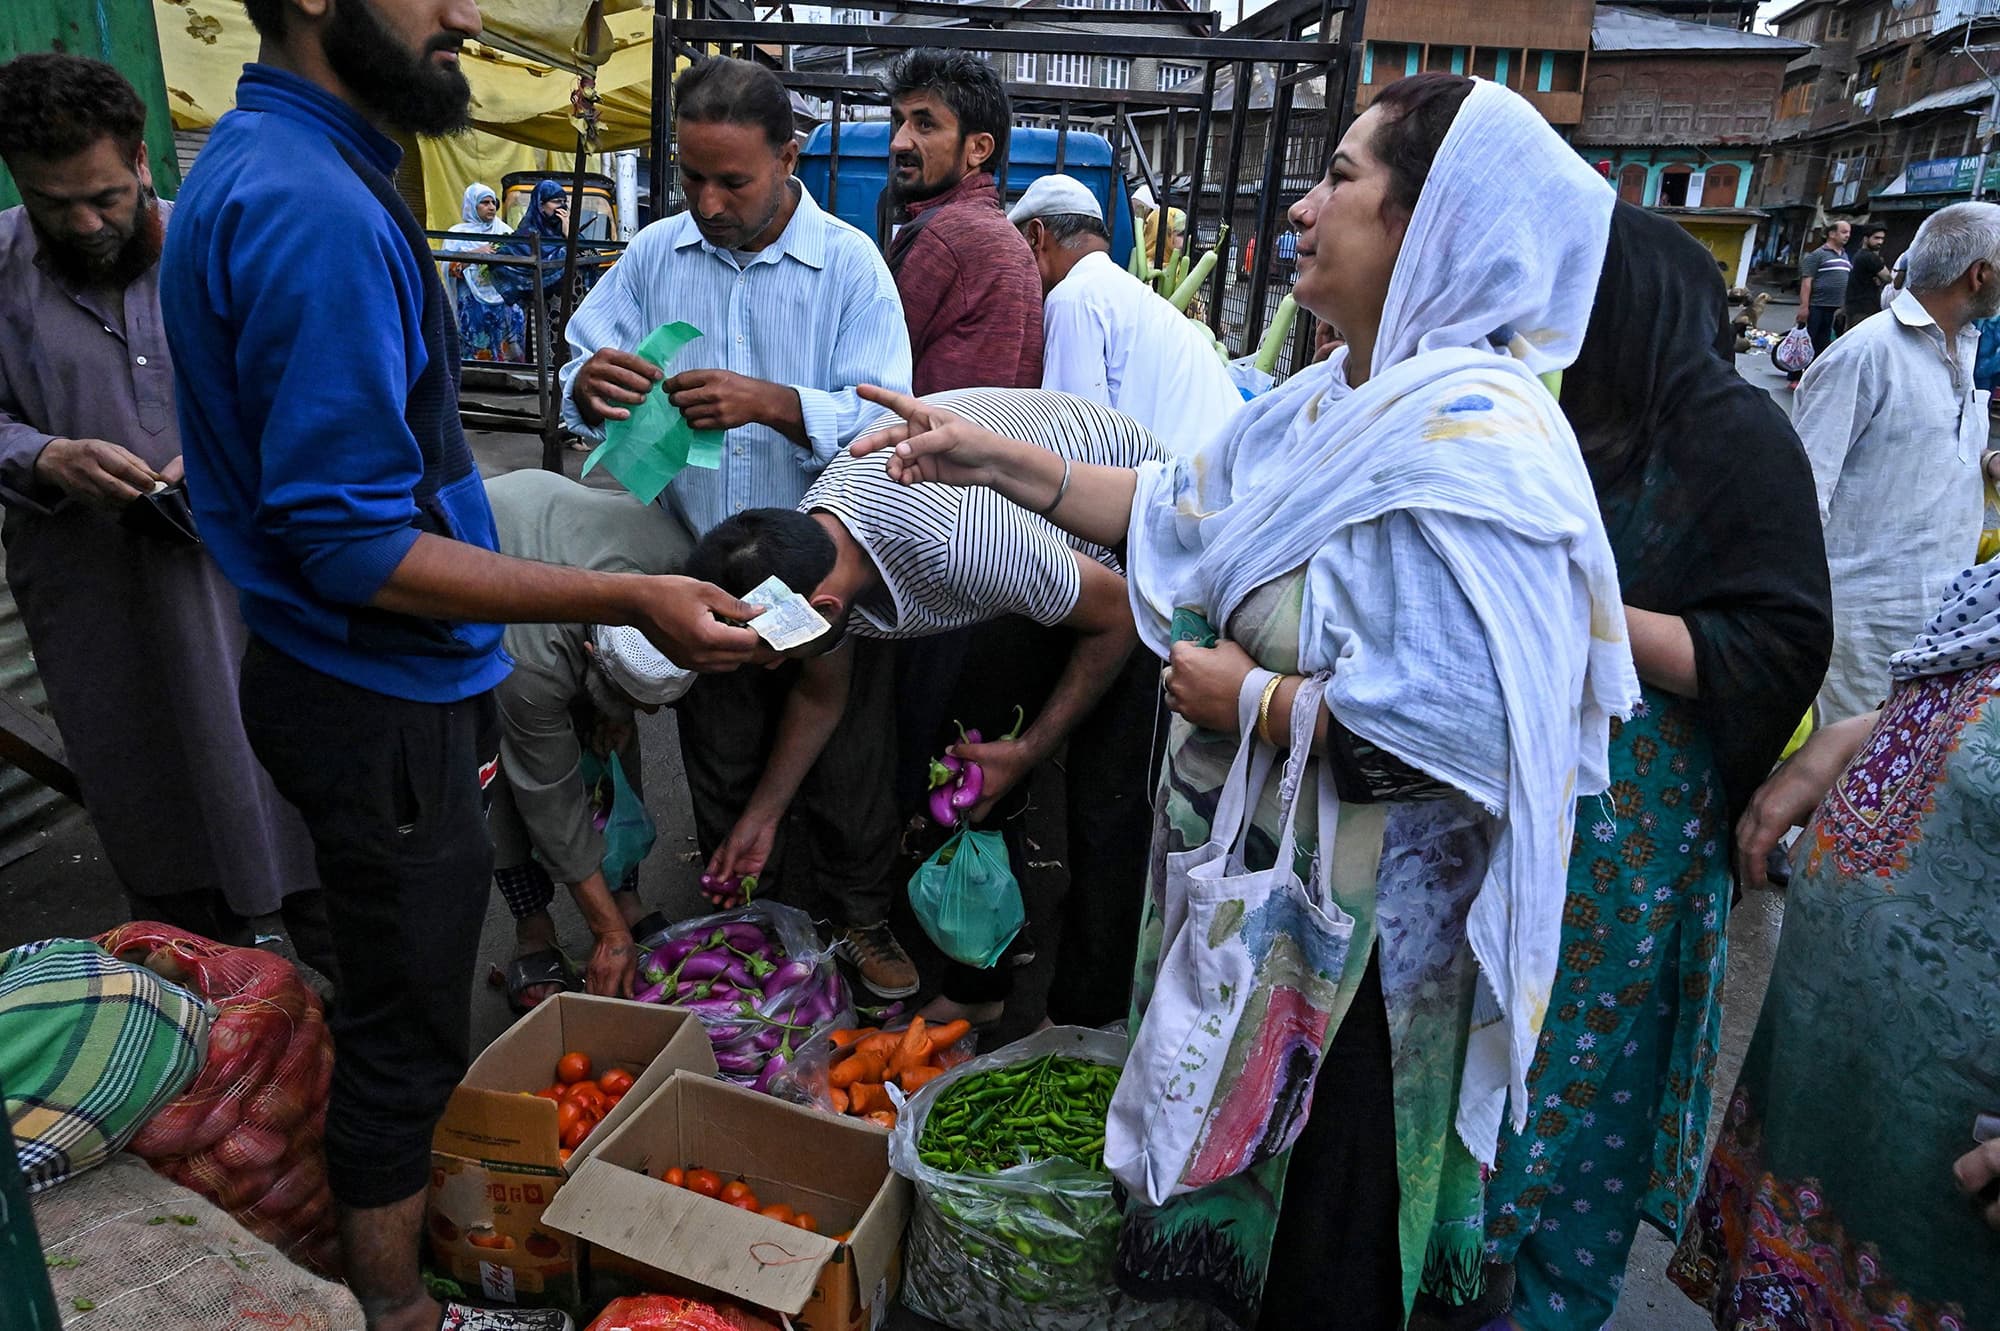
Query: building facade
pixel 1539 48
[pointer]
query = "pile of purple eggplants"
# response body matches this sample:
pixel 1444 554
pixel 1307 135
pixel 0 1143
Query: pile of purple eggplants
pixel 758 1005
pixel 957 784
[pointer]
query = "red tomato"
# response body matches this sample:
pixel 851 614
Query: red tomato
pixel 676 1176
pixel 586 1094
pixel 567 1115
pixel 704 1181
pixel 573 1136
pixel 735 1190
pixel 780 1212
pixel 573 1067
pixel 747 1202
pixel 551 1092
pixel 615 1082
pixel 804 1220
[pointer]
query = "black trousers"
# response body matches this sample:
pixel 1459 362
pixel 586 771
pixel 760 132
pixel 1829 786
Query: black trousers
pixel 978 678
pixel 391 794
pixel 838 843
pixel 1336 1244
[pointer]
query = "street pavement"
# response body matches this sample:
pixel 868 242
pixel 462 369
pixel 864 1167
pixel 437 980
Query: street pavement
pixel 66 888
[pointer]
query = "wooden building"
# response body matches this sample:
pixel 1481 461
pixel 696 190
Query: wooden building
pixel 1539 48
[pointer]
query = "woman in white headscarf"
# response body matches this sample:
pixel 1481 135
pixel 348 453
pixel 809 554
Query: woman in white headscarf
pixel 490 327
pixel 1410 522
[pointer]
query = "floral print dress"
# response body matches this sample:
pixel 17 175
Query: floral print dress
pixel 1830 1204
pixel 1619 1087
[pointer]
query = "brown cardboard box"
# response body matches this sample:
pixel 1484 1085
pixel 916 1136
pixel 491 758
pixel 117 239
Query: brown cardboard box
pixel 678 1241
pixel 495 1165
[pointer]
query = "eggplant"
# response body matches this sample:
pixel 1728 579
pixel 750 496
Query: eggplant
pixel 786 977
pixel 652 993
pixel 767 1039
pixel 966 793
pixel 742 934
pixel 739 1065
pixel 942 812
pixel 704 966
pixel 769 1075
pixel 676 950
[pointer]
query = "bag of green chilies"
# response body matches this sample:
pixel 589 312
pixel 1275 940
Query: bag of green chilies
pixel 1026 1246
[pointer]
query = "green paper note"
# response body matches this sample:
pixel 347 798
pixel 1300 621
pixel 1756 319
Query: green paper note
pixel 651 446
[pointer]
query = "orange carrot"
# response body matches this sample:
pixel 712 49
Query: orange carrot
pixel 858 1067
pixel 839 1100
pixel 945 1036
pixel 842 1039
pixel 914 1078
pixel 885 1117
pixel 866 1096
pixel 915 1050
pixel 882 1042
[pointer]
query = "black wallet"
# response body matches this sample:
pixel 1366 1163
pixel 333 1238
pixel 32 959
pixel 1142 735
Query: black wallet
pixel 165 515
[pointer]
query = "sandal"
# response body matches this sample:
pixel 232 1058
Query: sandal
pixel 536 969
pixel 649 927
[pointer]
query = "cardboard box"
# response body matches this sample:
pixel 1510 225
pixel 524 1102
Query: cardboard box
pixel 495 1164
pixel 676 1241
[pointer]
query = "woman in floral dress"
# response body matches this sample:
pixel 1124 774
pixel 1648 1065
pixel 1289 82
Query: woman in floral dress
pixel 490 327
pixel 1832 1203
pixel 1708 501
pixel 1411 522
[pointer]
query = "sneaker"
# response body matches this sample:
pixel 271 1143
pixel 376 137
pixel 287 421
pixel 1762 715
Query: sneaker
pixel 885 968
pixel 465 1317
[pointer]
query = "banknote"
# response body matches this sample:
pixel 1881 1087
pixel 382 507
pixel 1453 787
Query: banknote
pixel 788 620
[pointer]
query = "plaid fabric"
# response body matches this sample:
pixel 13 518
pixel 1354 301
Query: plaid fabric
pixel 90 1048
pixel 527 888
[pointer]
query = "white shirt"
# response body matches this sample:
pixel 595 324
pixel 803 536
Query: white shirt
pixel 1111 338
pixel 1894 429
pixel 951 557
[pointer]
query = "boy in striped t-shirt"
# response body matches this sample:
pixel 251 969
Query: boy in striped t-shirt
pixel 1052 635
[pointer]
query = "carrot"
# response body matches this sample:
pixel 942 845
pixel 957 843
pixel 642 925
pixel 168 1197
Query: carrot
pixel 865 1096
pixel 858 1067
pixel 915 1050
pixel 882 1042
pixel 885 1117
pixel 914 1078
pixel 945 1036
pixel 839 1100
pixel 842 1039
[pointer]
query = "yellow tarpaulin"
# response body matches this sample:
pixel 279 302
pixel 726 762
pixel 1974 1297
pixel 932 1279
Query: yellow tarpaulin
pixel 204 44
pixel 520 106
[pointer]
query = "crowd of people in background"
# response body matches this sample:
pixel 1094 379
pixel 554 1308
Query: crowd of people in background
pixel 1521 584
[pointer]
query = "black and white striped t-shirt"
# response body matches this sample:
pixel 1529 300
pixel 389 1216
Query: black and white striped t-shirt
pixel 951 557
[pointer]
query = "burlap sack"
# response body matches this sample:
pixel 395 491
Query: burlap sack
pixel 124 1257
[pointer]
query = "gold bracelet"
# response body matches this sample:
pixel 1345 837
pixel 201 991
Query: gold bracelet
pixel 1264 710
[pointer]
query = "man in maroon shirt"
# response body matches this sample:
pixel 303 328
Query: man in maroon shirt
pixel 970 290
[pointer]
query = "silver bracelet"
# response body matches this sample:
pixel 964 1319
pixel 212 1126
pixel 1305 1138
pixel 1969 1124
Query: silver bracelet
pixel 1061 490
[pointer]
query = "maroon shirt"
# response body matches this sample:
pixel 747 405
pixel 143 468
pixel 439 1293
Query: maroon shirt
pixel 971 294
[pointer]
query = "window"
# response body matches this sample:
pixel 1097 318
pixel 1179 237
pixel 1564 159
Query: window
pixel 1676 115
pixel 1718 190
pixel 1836 25
pixel 1871 29
pixel 1069 69
pixel 1632 184
pixel 1117 72
pixel 1173 75
pixel 1024 67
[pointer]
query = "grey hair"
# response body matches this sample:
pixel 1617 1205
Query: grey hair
pixel 1070 229
pixel 1950 241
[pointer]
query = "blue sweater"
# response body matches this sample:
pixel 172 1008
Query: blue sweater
pixel 316 368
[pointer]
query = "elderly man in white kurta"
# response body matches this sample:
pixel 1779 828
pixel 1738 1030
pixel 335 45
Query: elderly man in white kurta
pixel 1896 433
pixel 1109 337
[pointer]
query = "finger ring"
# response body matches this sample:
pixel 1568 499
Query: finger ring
pixel 1167 677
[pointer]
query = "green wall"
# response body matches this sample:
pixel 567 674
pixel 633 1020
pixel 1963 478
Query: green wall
pixel 119 32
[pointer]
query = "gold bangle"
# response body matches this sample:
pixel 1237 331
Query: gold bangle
pixel 1264 710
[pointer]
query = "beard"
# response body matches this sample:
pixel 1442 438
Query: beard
pixel 402 87
pixel 918 190
pixel 1987 303
pixel 126 265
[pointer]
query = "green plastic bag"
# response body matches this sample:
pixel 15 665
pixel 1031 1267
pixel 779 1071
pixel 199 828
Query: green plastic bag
pixel 629 831
pixel 967 900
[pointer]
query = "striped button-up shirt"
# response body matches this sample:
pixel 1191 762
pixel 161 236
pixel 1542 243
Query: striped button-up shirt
pixel 816 310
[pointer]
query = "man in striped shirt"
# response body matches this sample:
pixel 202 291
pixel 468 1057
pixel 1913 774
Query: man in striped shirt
pixel 1054 637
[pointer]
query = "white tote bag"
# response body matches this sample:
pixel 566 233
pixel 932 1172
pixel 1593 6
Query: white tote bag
pixel 1221 1070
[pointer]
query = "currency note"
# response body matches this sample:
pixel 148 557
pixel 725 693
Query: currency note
pixel 788 620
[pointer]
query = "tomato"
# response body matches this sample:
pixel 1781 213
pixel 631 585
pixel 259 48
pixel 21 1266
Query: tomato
pixel 567 1114
pixel 676 1176
pixel 747 1202
pixel 804 1220
pixel 779 1212
pixel 573 1067
pixel 617 1081
pixel 577 1131
pixel 484 1237
pixel 735 1189
pixel 704 1181
pixel 564 1154
pixel 551 1092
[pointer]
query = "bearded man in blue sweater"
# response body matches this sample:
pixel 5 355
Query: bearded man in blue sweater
pixel 331 480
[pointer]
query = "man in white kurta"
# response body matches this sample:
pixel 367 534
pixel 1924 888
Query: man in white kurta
pixel 1109 337
pixel 1896 433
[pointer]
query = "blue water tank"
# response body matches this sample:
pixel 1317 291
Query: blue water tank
pixel 864 172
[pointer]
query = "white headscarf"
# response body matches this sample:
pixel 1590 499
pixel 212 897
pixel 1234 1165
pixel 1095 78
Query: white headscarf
pixel 1493 285
pixel 468 212
pixel 1965 632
